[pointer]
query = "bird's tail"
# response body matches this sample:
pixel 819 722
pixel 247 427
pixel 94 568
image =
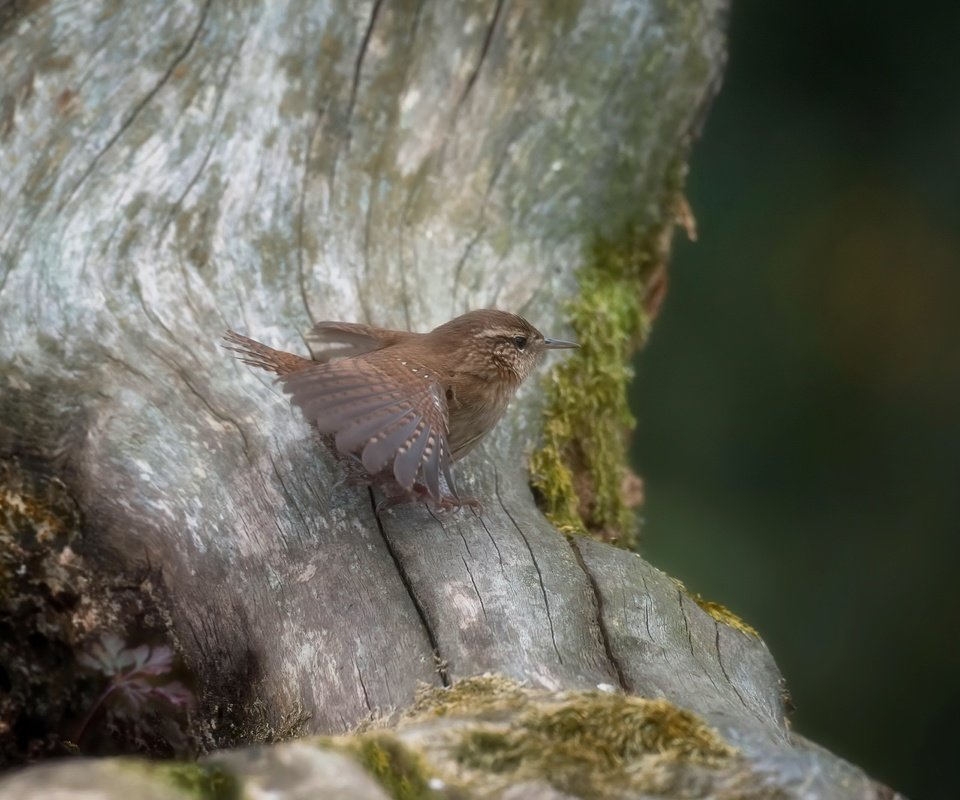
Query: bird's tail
pixel 252 352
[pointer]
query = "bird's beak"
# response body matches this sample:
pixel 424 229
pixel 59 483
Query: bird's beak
pixel 558 344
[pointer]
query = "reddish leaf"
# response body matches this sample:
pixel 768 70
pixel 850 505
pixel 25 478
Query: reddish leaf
pixel 159 661
pixel 175 693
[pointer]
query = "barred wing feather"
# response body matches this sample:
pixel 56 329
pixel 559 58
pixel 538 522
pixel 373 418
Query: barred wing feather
pixel 371 415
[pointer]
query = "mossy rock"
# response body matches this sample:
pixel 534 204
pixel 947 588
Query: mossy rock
pixel 487 734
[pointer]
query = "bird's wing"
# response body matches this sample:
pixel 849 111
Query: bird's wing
pixel 372 414
pixel 330 340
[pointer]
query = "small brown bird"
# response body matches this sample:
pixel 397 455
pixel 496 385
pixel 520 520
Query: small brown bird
pixel 407 405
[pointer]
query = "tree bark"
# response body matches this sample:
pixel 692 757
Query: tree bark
pixel 171 169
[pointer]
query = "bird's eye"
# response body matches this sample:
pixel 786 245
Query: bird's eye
pixel 520 342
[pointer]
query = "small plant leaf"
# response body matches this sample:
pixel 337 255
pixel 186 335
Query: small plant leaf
pixel 90 661
pixel 175 693
pixel 158 662
pixel 107 656
pixel 135 692
pixel 138 656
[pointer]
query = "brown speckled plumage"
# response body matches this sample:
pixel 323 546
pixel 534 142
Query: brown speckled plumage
pixel 407 405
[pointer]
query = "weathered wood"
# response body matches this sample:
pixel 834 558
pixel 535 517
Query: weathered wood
pixel 171 169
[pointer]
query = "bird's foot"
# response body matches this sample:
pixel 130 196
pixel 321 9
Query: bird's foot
pixel 446 503
pixel 449 503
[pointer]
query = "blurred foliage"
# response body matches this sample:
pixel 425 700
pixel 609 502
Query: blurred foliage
pixel 139 682
pixel 798 404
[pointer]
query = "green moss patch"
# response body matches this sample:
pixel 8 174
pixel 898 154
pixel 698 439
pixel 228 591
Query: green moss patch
pixel 201 781
pixel 580 473
pixel 397 768
pixel 595 743
pixel 719 612
pixel 497 733
pixel 581 469
pixel 725 615
pixel 478 696
pixel 488 733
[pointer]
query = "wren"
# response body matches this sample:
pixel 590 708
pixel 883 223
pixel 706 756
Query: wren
pixel 402 407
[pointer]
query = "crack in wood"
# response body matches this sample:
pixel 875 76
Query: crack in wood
pixel 157 319
pixel 354 89
pixel 458 269
pixel 301 212
pixel 38 168
pixel 646 607
pixel 124 365
pixel 363 686
pixel 408 585
pixel 485 48
pixel 686 626
pixel 492 541
pixel 358 64
pixel 466 566
pixel 452 122
pixel 543 589
pixel 214 139
pixel 291 501
pixel 464 538
pixel 224 418
pixel 322 500
pixel 481 222
pixel 164 79
pixel 723 669
pixel 601 621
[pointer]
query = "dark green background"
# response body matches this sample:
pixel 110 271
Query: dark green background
pixel 799 403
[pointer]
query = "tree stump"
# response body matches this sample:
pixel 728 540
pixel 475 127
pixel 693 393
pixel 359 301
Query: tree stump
pixel 171 169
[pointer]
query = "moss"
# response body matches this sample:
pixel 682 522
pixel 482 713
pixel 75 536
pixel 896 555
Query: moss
pixel 594 743
pixel 42 611
pixel 53 606
pixel 719 612
pixel 201 781
pixel 397 768
pixel 258 726
pixel 588 744
pixel 581 468
pixel 725 615
pixel 477 696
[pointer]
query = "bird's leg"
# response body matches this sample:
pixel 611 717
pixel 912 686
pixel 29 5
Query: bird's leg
pixel 396 495
pixel 450 503
pixel 353 472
